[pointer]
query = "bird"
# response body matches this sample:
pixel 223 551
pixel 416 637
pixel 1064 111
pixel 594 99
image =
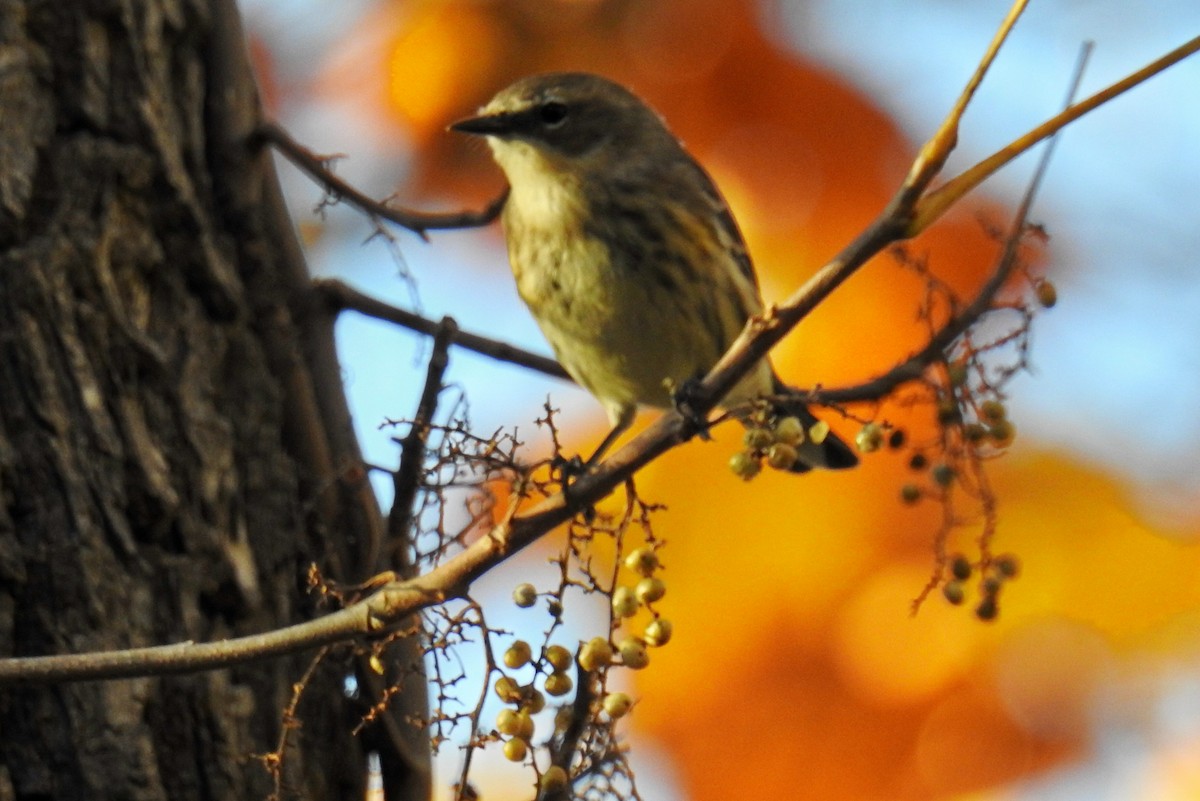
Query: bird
pixel 626 253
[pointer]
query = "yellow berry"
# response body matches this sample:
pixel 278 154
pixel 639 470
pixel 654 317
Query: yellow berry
pixel 974 432
pixel 650 590
pixel 869 438
pixel 633 653
pixel 782 456
pixel 624 602
pixel 525 595
pixel 1002 433
pixel 943 474
pixel 1007 566
pixel 643 561
pixel 1047 294
pixel 507 689
pixel 518 654
pixel 744 465
pixel 658 632
pixel 595 654
pixel 515 750
pixel 988 608
pixel 617 704
pixel 534 701
pixel 993 411
pixel 952 591
pixel 554 780
pixel 558 657
pixel 756 439
pixel 818 431
pixel 508 721
pixel 789 431
pixel 558 684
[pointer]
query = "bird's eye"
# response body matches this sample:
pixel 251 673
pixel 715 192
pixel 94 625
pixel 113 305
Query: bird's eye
pixel 552 113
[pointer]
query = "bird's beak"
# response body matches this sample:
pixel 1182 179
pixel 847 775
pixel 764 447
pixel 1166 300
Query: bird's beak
pixel 486 125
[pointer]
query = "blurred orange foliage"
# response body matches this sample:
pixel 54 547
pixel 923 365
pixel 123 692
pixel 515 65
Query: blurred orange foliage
pixel 797 671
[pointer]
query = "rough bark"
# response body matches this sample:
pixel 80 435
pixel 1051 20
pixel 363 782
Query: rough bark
pixel 174 444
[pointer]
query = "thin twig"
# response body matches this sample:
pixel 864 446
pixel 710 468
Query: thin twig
pixel 933 205
pixel 914 367
pixel 932 157
pixel 338 296
pixel 418 222
pixel 407 479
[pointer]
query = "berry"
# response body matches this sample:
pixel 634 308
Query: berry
pixel 525 595
pixel 515 750
pixel 558 657
pixel 617 704
pixel 993 411
pixel 789 431
pixel 745 465
pixel 650 590
pixel 658 632
pixel 554 780
pixel 1047 294
pixel 508 721
pixel 625 602
pixel 943 474
pixel 643 561
pixel 782 456
pixel 558 684
pixel 869 438
pixel 507 689
pixel 953 592
pixel 633 653
pixel 518 654
pixel 595 654
pixel 757 439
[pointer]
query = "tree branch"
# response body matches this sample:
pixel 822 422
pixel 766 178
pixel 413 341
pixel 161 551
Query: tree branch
pixel 416 221
pixel 407 479
pixel 338 296
pixel 912 368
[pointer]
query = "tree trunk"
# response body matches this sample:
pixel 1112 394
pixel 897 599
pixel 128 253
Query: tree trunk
pixel 174 444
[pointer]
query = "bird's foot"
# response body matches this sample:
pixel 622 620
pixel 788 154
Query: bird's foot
pixel 570 470
pixel 684 398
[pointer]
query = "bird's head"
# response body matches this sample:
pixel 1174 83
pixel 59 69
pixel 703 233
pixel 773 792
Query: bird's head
pixel 567 122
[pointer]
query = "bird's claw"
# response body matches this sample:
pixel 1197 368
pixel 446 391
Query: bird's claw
pixel 684 398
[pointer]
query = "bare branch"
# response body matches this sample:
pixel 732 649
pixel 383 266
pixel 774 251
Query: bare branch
pixel 933 154
pixel 914 367
pixel 337 296
pixel 416 221
pixel 935 203
pixel 407 479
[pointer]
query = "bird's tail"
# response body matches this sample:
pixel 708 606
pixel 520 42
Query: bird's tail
pixel 828 451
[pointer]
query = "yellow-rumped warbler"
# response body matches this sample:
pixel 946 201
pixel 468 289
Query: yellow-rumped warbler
pixel 624 250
